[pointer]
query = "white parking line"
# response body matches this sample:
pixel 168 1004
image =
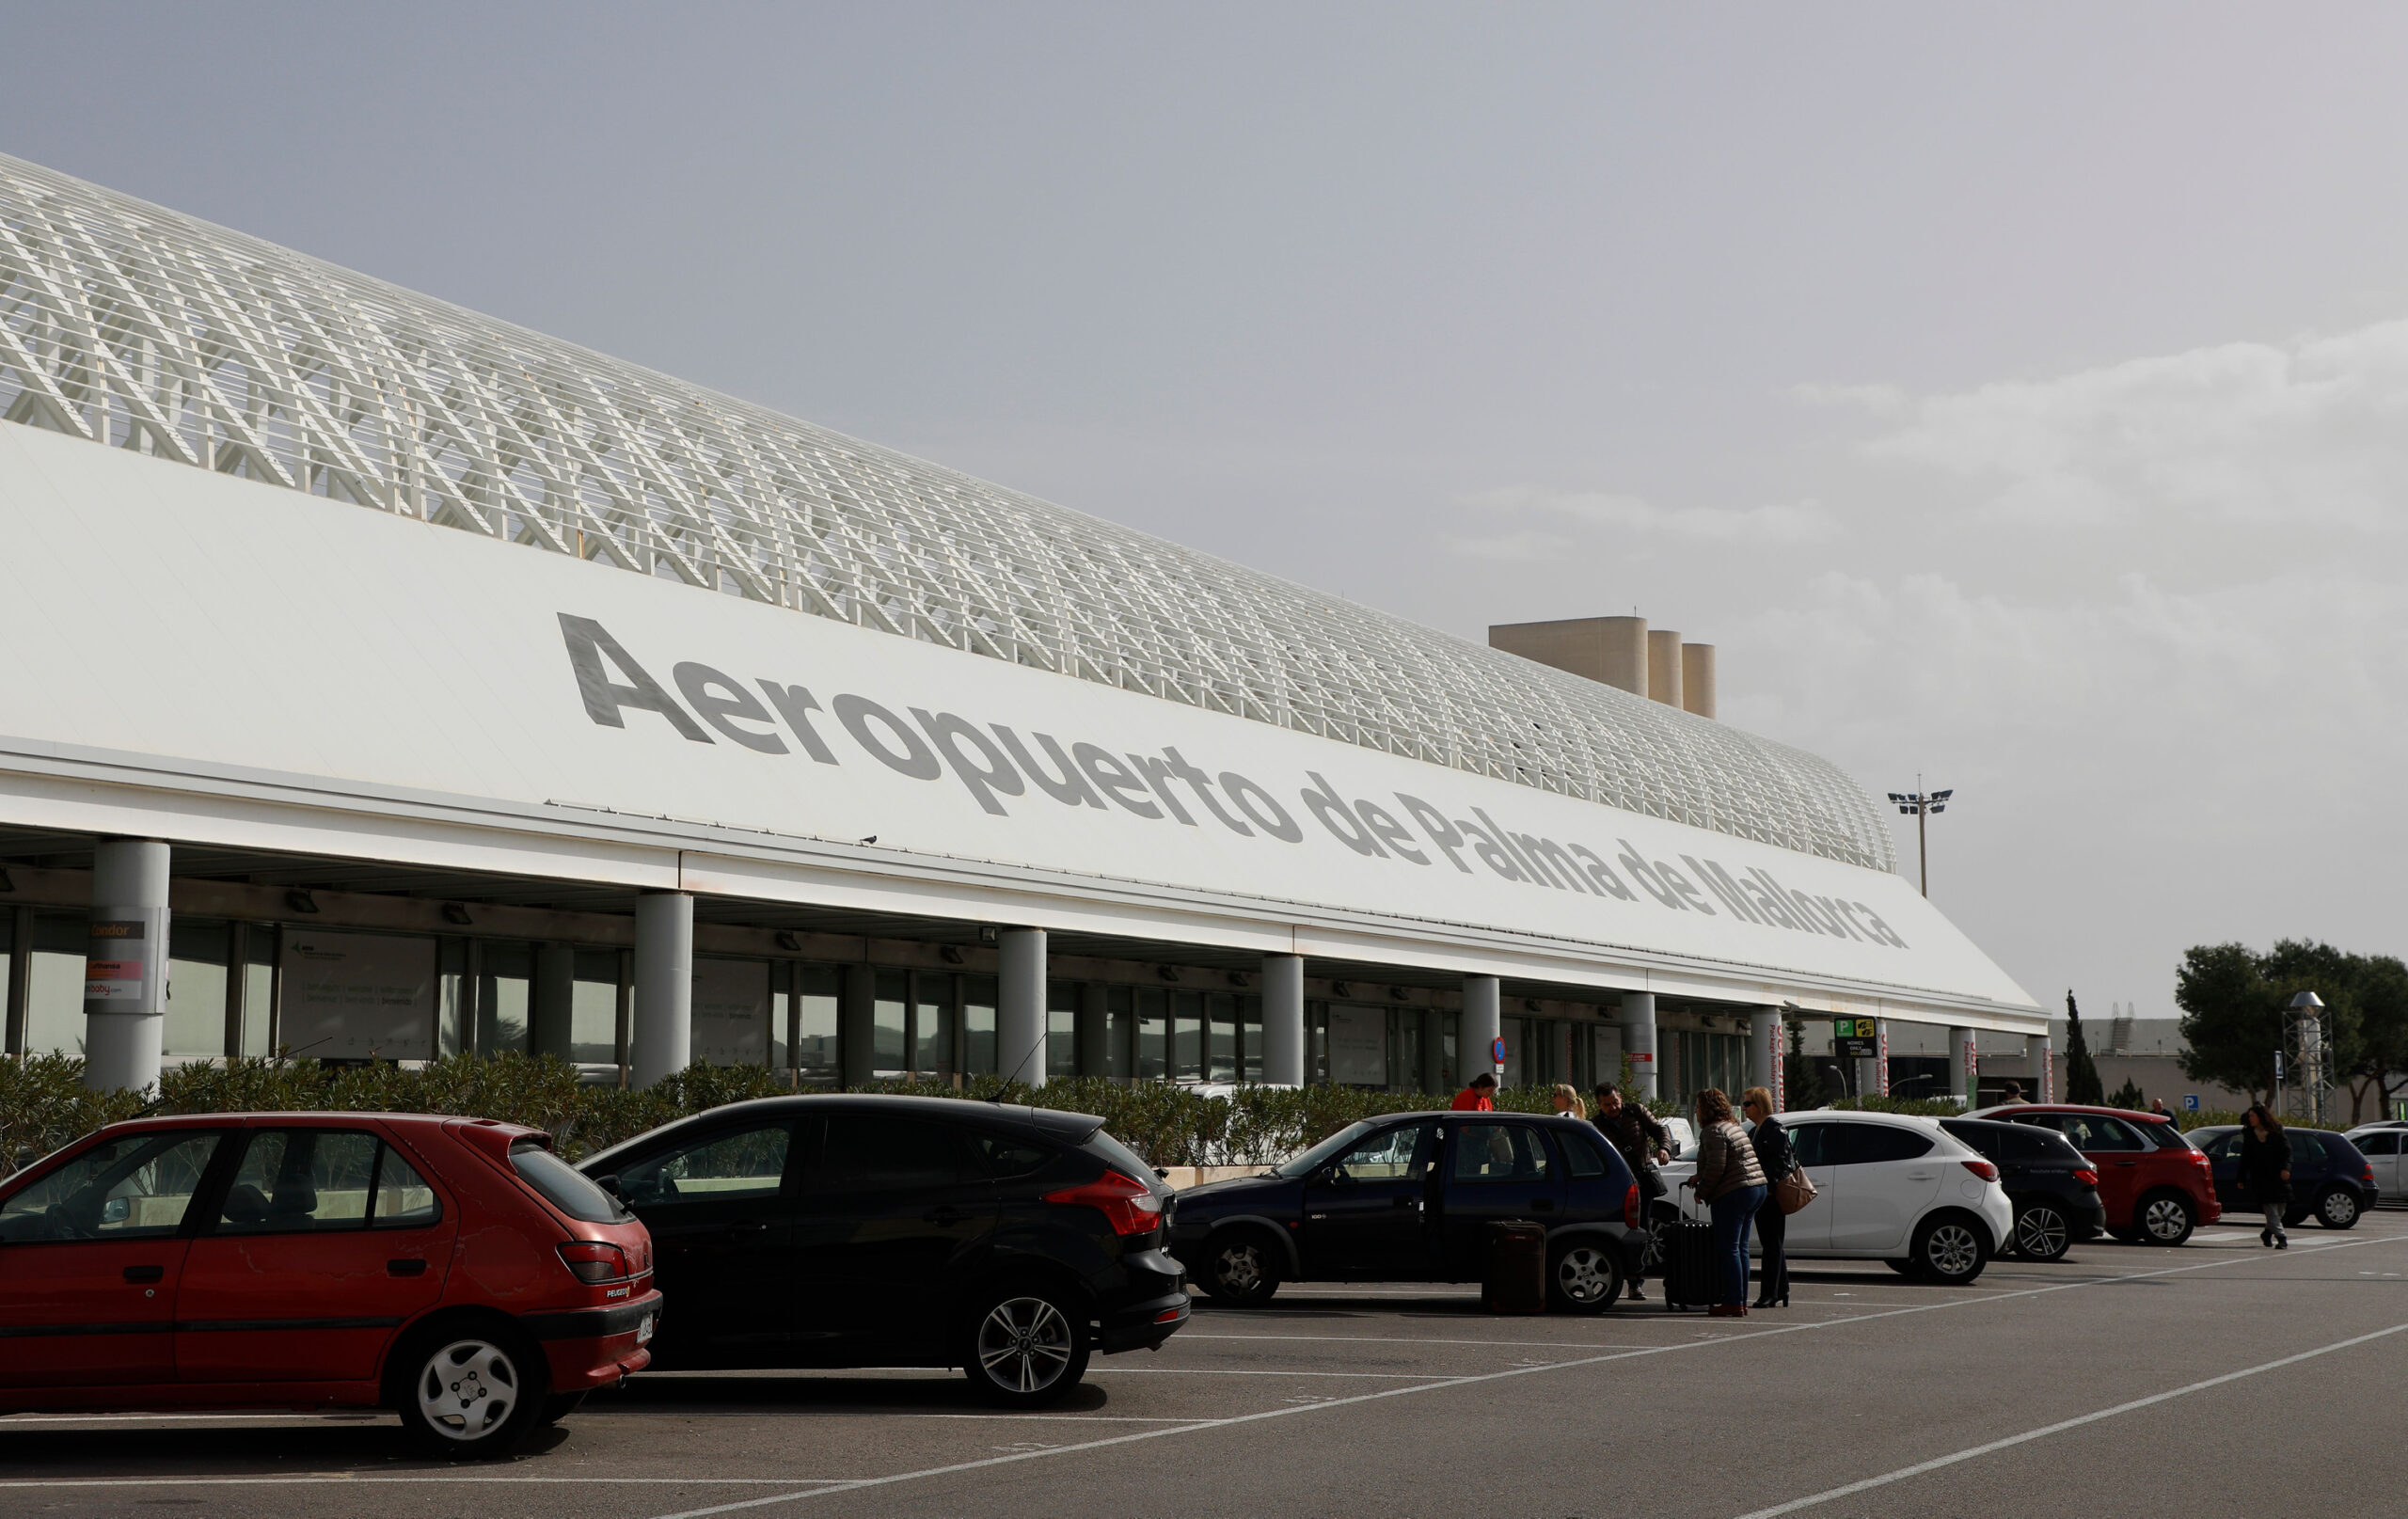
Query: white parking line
pixel 1813 1500
pixel 1297 1410
pixel 1411 1339
pixel 343 1479
pixel 1249 1371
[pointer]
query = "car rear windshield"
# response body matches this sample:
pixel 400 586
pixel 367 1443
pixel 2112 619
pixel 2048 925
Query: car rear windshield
pixel 564 1188
pixel 1119 1156
pixel 2166 1135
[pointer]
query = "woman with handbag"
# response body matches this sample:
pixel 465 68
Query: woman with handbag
pixel 1774 1154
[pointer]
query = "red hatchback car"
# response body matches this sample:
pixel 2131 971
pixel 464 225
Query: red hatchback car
pixel 452 1270
pixel 2153 1183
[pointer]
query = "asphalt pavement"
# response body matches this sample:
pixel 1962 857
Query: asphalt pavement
pixel 2211 1380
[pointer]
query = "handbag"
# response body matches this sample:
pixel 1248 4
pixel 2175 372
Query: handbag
pixel 1794 1191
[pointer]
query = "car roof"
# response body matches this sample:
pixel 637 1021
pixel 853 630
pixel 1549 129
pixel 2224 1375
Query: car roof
pixel 1065 1128
pixel 1904 1120
pixel 299 1117
pixel 2129 1115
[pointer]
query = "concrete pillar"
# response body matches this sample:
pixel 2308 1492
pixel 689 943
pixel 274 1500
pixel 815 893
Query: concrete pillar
pixel 1664 666
pixel 2040 1061
pixel 1697 678
pixel 125 965
pixel 1639 1039
pixel 857 1025
pixel 1964 1070
pixel 1484 1020
pixel 1764 1051
pixel 1283 1019
pixel 664 977
pixel 553 1005
pixel 1019 1010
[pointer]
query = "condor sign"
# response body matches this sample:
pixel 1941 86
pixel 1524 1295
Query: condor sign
pixel 378 671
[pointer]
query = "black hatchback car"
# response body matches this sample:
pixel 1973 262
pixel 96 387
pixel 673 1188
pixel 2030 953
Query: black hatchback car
pixel 1408 1198
pixel 2331 1179
pixel 2051 1185
pixel 844 1231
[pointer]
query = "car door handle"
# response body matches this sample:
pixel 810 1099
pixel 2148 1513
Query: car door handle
pixel 405 1268
pixel 1405 1202
pixel 748 1226
pixel 1921 1175
pixel 145 1274
pixel 2128 1163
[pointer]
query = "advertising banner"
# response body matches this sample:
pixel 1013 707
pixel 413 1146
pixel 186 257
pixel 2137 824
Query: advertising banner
pixel 731 1012
pixel 355 996
pixel 1358 1046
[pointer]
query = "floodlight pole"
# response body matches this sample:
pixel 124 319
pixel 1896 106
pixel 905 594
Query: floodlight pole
pixel 1922 806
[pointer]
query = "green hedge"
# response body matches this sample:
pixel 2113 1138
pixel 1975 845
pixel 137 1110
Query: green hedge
pixel 43 1103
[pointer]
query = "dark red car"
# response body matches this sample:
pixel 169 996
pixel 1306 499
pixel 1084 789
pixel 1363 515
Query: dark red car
pixel 452 1270
pixel 2154 1184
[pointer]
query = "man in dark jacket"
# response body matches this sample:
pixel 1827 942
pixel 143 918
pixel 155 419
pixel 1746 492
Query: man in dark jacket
pixel 1644 1145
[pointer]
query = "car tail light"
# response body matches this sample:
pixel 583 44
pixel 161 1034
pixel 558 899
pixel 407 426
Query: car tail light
pixel 1630 1207
pixel 2207 1167
pixel 591 1261
pixel 2087 1177
pixel 1130 1206
pixel 2366 1174
pixel 1981 1168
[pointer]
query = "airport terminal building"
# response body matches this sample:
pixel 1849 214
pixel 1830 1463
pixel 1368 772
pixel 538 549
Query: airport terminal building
pixel 379 680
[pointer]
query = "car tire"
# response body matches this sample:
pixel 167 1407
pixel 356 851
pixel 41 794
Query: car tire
pixel 1240 1269
pixel 1583 1276
pixel 1950 1249
pixel 2042 1232
pixel 1027 1345
pixel 2167 1218
pixel 2337 1209
pixel 470 1393
pixel 559 1407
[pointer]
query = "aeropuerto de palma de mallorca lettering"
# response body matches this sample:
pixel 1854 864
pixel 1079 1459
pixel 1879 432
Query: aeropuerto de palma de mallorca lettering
pixel 381 680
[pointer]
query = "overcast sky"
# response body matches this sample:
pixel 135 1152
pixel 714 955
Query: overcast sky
pixel 2022 406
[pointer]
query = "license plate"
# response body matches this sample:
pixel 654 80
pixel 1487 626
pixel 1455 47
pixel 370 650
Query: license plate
pixel 643 1331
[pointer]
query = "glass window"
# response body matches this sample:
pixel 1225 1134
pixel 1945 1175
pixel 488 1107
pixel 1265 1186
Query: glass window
pixel 198 952
pixel 7 950
pixel 1498 1152
pixel 1811 1141
pixel 1404 1049
pixel 889 1007
pixel 2381 1143
pixel 1447 1064
pixel 1580 1154
pixel 1221 1054
pixel 1187 1035
pixel 1120 1032
pixel 718 1166
pixel 1868 1144
pixel 593 1008
pixel 2092 1133
pixel 505 989
pixel 452 991
pixel 874 1153
pixel 933 1022
pixel 978 995
pixel 1153 1035
pixel 1336 1144
pixel 121 1189
pixel 293 1180
pixel 2307 1149
pixel 403 1201
pixel 1517 1040
pixel 54 984
pixel 1401 1153
pixel 1008 1155
pixel 2221 1146
pixel 562 1186
pixel 1062 1028
pixel 818 993
pixel 1250 1038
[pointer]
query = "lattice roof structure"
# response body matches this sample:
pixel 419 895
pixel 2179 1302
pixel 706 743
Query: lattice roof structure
pixel 138 328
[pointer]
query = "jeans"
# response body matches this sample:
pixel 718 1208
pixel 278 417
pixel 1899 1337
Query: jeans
pixel 1733 1212
pixel 2274 1221
pixel 1772 1227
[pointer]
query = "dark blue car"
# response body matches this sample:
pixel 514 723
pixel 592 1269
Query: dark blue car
pixel 2331 1183
pixel 1408 1198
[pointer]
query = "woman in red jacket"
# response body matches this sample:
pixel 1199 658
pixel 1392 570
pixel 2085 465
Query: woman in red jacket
pixel 1475 1097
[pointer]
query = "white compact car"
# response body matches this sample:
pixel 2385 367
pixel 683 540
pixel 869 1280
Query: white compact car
pixel 2384 1145
pixel 1888 1188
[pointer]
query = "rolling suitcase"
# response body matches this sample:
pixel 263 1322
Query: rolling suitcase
pixel 1514 1274
pixel 1691 1279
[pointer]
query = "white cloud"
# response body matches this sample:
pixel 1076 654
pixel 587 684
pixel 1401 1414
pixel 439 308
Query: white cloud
pixel 1562 519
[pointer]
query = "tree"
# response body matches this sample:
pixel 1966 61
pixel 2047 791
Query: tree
pixel 2231 1023
pixel 2129 1095
pixel 2082 1075
pixel 2375 1067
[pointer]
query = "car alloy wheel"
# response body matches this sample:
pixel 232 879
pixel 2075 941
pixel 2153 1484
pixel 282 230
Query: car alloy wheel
pixel 1951 1253
pixel 2166 1219
pixel 1025 1346
pixel 2337 1209
pixel 2041 1233
pixel 1585 1278
pixel 468 1390
pixel 1239 1271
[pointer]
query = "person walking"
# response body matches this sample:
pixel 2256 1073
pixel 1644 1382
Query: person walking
pixel 2266 1171
pixel 1643 1145
pixel 1567 1101
pixel 1777 1157
pixel 1731 1183
pixel 1479 1096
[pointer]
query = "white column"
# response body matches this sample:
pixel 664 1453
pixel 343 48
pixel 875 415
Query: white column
pixel 1283 1019
pixel 1764 1051
pixel 2042 1062
pixel 1639 1039
pixel 1484 1020
pixel 664 976
pixel 1019 1005
pixel 1964 1072
pixel 125 971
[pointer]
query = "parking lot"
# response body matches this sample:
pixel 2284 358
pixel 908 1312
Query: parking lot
pixel 2215 1379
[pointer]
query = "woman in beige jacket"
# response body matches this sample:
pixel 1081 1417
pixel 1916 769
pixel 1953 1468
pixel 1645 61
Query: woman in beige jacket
pixel 1731 1183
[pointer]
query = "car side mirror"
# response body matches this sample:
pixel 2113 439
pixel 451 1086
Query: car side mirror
pixel 117 1210
pixel 1340 1176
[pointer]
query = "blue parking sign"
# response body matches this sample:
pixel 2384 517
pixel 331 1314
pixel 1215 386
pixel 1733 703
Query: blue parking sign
pixel 2189 1101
